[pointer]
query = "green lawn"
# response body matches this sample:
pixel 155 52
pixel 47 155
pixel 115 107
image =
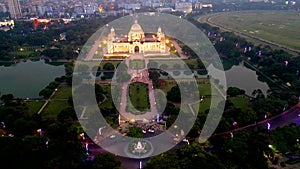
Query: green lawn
pixel 108 103
pixel 276 26
pixel 204 105
pixel 204 89
pixel 54 108
pixel 63 92
pixel 240 102
pixel 167 85
pixel 192 62
pixel 203 85
pixel 34 106
pixel 139 96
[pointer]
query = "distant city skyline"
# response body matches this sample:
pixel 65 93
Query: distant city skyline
pixel 14 9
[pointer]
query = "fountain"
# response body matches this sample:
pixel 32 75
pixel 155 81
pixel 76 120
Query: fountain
pixel 139 147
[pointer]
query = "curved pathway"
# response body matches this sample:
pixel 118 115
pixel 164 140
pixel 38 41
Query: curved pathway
pixel 285 118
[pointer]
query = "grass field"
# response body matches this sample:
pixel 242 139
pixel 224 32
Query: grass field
pixel 275 26
pixel 64 92
pixel 53 109
pixel 240 102
pixel 139 96
pixel 34 106
pixel 58 102
pixel 205 104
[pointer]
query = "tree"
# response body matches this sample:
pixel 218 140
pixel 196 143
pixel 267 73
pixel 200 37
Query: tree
pixel 53 85
pixel 285 139
pixel 195 155
pixel 163 161
pixel 46 93
pixel 234 91
pixel 105 161
pixel 7 98
pixel 23 126
pixel 154 76
pixel 245 150
pixel 174 94
pixel 67 115
pixel 108 66
pixel 52 53
pixel 99 93
pixel 121 74
pixel 135 132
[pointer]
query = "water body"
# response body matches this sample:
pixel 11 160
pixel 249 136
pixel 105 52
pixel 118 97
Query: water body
pixel 241 77
pixel 246 79
pixel 27 79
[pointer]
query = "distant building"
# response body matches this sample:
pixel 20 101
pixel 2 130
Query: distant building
pixel 157 4
pixel 201 5
pixel 14 9
pixel 129 5
pixel 147 3
pixel 185 7
pixel 165 10
pixel 258 0
pixel 3 8
pixel 91 8
pixel 7 25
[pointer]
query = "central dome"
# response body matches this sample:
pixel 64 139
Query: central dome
pixel 136 32
pixel 136 27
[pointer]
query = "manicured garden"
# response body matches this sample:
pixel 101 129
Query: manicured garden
pixel 139 96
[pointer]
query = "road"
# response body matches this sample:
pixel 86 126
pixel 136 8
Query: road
pixel 283 119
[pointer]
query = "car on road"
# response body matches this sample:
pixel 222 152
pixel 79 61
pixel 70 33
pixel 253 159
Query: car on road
pixel 150 130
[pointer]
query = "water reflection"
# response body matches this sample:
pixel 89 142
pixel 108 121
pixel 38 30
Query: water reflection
pixel 27 79
pixel 241 77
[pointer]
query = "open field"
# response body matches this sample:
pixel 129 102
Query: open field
pixel 64 92
pixel 34 106
pixel 54 108
pixel 240 102
pixel 139 97
pixel 281 28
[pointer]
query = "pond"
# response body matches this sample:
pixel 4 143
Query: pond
pixel 242 77
pixel 27 79
pixel 246 79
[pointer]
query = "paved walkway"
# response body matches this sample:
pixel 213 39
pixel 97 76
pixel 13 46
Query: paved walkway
pixel 179 50
pixel 141 76
pixel 48 100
